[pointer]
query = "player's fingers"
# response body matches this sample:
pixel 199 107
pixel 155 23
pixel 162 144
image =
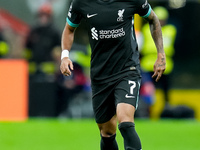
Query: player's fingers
pixel 71 66
pixel 65 70
pixel 66 65
pixel 67 73
pixel 155 74
pixel 158 76
pixel 160 72
pixel 155 71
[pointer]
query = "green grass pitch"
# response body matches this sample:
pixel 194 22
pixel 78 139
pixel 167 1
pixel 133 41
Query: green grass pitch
pixel 56 134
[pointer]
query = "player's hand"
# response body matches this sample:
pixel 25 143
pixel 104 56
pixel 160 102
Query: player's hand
pixel 159 66
pixel 65 66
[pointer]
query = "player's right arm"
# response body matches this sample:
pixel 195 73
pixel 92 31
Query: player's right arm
pixel 66 43
pixel 73 20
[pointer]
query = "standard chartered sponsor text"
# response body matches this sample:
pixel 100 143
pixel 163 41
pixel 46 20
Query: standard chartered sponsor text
pixel 108 34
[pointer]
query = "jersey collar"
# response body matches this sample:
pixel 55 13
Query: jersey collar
pixel 105 1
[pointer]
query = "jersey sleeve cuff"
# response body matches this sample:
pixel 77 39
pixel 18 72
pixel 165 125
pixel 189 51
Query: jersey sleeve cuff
pixel 148 13
pixel 72 24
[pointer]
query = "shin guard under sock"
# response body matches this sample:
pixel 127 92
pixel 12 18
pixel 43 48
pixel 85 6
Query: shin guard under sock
pixel 109 143
pixel 131 138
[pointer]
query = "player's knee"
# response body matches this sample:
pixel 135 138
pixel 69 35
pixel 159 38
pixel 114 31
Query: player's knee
pixel 125 118
pixel 107 131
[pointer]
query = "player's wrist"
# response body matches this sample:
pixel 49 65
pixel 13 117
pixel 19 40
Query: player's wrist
pixel 65 53
pixel 161 55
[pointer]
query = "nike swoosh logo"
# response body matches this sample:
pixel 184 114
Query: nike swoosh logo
pixel 90 16
pixel 127 96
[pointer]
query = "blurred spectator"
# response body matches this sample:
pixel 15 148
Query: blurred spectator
pixel 147 95
pixel 69 87
pixel 13 35
pixel 82 57
pixel 43 38
pixel 43 52
pixel 148 51
pixel 4 47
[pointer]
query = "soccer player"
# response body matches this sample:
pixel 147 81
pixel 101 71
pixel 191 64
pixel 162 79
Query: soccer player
pixel 115 70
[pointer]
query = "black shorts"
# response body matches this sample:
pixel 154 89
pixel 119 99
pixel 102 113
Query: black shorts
pixel 105 97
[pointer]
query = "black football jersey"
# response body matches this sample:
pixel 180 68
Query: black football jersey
pixel 111 34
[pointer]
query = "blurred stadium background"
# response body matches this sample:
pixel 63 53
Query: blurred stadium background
pixel 39 109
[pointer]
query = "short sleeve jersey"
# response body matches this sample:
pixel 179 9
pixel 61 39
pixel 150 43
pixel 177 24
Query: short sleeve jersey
pixel 111 34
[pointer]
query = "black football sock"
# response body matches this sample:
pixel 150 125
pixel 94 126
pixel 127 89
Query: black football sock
pixel 109 143
pixel 131 138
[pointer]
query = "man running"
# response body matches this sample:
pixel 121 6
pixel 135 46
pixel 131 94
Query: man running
pixel 115 70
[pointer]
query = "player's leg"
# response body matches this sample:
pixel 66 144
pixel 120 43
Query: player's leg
pixel 105 114
pixel 126 93
pixel 125 115
pixel 108 134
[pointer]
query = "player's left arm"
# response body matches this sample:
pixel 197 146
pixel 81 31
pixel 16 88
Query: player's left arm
pixel 155 28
